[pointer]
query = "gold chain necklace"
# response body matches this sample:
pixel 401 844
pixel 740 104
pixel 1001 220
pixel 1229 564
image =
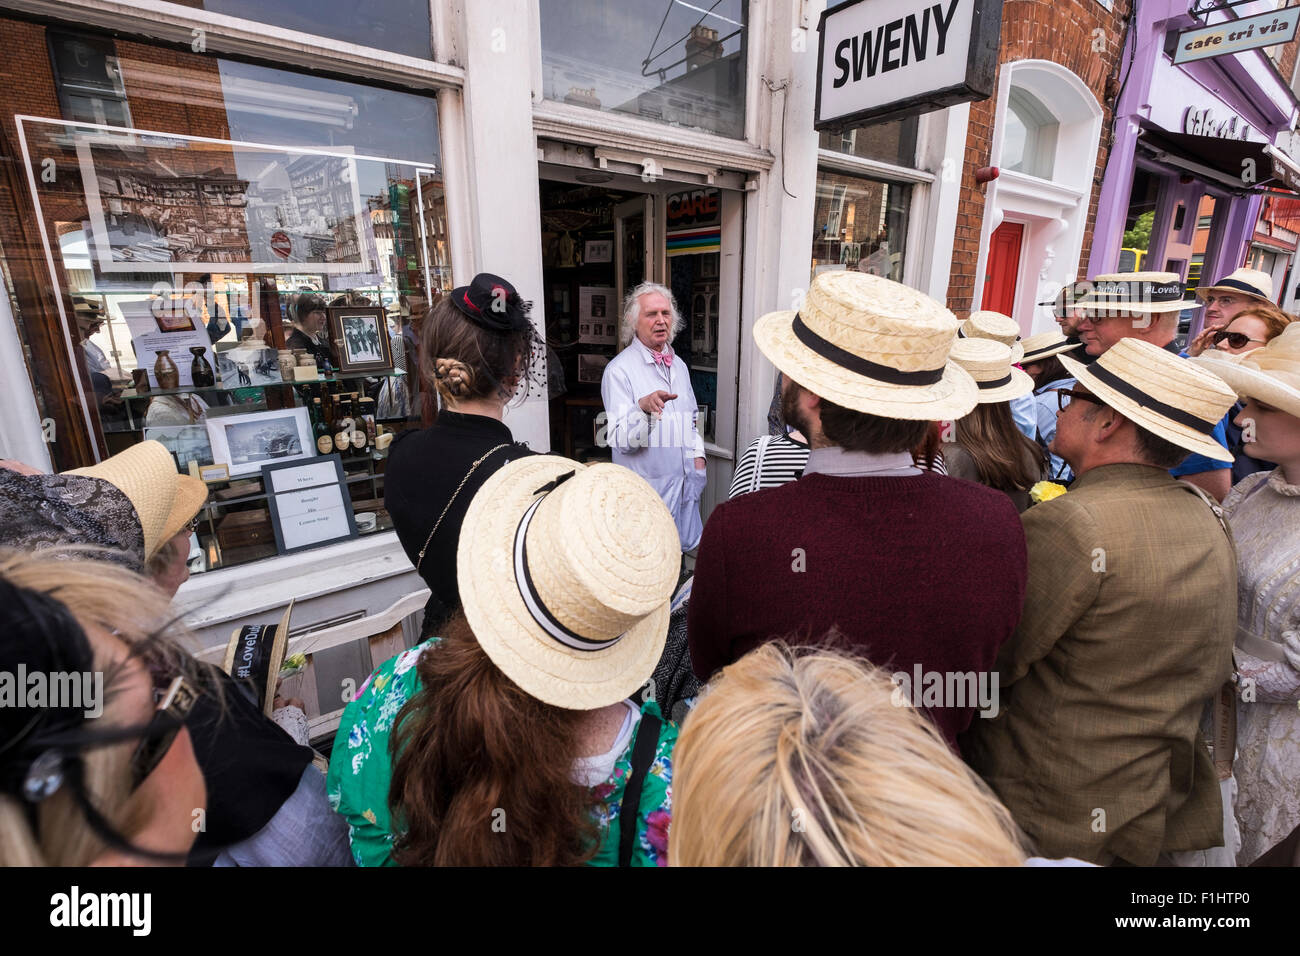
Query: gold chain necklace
pixel 472 468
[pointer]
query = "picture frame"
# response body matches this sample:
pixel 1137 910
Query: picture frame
pixel 598 250
pixel 214 474
pixel 309 503
pixel 247 366
pixel 244 443
pixel 360 336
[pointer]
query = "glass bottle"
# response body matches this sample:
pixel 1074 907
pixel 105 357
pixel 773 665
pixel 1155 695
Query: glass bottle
pixel 320 429
pixel 343 428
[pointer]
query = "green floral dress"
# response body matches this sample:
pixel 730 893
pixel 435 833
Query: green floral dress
pixel 361 770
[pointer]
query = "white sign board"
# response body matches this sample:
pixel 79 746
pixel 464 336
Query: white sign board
pixel 1237 36
pixel 889 58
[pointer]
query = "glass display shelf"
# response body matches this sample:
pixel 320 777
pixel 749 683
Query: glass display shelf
pixel 132 393
pixel 348 478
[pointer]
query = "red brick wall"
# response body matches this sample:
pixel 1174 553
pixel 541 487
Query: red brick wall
pixel 1057 30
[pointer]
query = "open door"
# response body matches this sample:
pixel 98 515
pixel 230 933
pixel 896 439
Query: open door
pixel 634 253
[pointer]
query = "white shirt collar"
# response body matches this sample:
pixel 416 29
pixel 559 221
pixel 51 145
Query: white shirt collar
pixel 838 463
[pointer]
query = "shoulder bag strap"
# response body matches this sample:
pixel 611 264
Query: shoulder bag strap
pixel 754 479
pixel 643 755
pixel 472 468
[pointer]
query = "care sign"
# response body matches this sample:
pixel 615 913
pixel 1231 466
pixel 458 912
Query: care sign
pixel 882 59
pixel 1236 36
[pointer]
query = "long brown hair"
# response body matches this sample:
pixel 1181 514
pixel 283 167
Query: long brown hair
pixel 484 776
pixel 1050 370
pixel 990 436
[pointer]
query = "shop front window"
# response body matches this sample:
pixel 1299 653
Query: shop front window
pixel 398 26
pixel 892 142
pixel 236 268
pixel 861 224
pixel 671 62
pixel 1029 143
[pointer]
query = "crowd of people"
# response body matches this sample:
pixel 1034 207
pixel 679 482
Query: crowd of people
pixel 959 609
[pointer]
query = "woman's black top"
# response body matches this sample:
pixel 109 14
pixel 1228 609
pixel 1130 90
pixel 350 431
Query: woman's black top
pixel 298 339
pixel 424 469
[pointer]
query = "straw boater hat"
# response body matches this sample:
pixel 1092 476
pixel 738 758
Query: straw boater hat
pixel 871 345
pixel 1044 345
pixel 995 326
pixel 1170 397
pixel 989 363
pixel 1124 292
pixel 1270 374
pixel 1252 283
pixel 566 572
pixel 164 501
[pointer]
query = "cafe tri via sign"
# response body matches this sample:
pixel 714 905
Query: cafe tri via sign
pixel 884 59
pixel 1235 36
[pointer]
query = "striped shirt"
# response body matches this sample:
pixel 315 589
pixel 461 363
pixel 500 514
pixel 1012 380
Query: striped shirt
pixel 783 461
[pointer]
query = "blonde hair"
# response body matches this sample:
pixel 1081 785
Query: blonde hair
pixel 103 598
pixel 801 757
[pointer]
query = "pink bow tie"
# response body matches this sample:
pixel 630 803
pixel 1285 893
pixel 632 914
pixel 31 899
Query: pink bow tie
pixel 663 358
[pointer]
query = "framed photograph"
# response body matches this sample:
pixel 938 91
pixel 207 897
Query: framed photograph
pixel 310 505
pixel 361 335
pixel 598 250
pixel 187 443
pixel 171 316
pixel 248 365
pixel 244 443
pixel 591 367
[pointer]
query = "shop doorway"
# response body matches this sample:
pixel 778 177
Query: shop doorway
pixel 1003 268
pixel 599 241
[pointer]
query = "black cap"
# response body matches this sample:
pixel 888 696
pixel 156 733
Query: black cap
pixel 492 302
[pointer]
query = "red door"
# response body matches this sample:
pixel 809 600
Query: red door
pixel 1002 268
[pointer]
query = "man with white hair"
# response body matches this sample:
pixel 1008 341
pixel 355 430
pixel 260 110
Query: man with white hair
pixel 650 411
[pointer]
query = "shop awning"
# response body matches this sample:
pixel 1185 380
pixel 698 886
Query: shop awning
pixel 1225 161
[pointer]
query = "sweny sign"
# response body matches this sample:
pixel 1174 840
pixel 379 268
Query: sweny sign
pixel 879 59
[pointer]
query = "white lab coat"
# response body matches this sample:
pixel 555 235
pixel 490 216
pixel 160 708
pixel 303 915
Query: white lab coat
pixel 662 452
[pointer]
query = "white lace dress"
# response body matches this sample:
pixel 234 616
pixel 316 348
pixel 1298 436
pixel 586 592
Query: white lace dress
pixel 1264 513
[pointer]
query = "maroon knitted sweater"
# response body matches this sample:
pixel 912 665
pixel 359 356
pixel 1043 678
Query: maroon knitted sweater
pixel 925 570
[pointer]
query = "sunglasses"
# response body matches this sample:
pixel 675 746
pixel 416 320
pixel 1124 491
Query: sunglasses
pixel 1063 393
pixel 172 707
pixel 1237 340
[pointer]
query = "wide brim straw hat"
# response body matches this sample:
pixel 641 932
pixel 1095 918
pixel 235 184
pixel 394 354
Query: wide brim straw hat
pixel 1170 397
pixel 1270 374
pixel 871 345
pixel 986 324
pixel 989 363
pixel 1124 292
pixel 1252 283
pixel 164 501
pixel 566 573
pixel 1044 345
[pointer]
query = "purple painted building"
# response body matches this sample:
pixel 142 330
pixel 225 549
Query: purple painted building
pixel 1192 151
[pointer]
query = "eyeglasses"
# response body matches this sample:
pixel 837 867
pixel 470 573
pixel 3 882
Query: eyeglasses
pixel 1237 340
pixel 1063 393
pixel 1221 299
pixel 173 706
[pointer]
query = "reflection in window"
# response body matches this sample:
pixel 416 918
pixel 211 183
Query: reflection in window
pixel 860 224
pixel 663 60
pixel 1139 223
pixel 398 26
pixel 88 79
pixel 1029 138
pixel 890 142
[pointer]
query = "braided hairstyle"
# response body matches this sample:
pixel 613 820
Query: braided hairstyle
pixel 463 360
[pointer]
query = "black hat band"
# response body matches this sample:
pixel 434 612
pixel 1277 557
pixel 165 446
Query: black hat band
pixel 1107 377
pixel 855 363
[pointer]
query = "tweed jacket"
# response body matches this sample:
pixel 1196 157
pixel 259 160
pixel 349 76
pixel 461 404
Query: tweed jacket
pixel 1127 631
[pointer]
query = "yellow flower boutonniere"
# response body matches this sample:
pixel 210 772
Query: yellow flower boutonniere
pixel 1045 491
